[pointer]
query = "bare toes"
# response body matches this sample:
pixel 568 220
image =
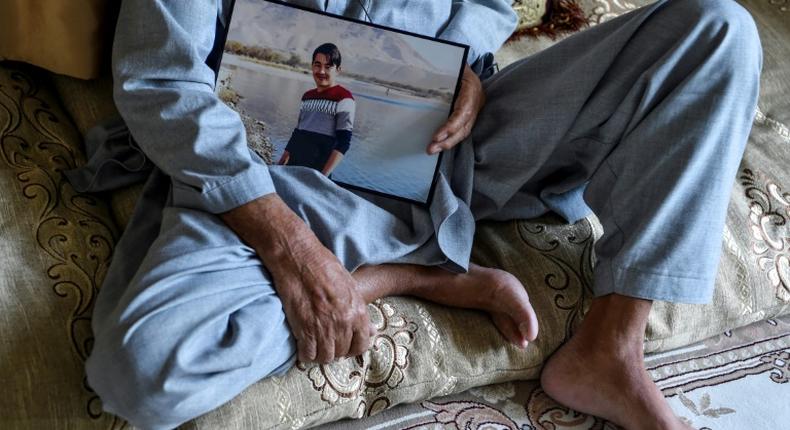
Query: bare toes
pixel 509 329
pixel 507 295
pixel 515 303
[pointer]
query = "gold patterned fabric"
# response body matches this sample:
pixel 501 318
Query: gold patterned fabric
pixel 55 249
pixel 704 385
pixel 530 12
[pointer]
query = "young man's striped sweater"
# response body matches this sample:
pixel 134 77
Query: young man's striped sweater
pixel 326 119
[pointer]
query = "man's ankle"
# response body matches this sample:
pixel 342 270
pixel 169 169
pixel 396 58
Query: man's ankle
pixel 615 323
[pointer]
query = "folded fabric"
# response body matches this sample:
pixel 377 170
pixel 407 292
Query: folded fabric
pixel 115 160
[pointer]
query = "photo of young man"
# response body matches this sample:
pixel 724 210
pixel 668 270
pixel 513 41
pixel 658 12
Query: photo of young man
pixel 326 117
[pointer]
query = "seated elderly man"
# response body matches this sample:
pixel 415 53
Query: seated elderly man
pixel 229 270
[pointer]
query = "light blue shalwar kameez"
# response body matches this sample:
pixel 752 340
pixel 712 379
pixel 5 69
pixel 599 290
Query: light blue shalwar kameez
pixel 642 120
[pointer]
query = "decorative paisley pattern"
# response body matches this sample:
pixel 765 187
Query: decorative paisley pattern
pixel 706 384
pixel 70 227
pixel 375 372
pixel 740 266
pixel 570 281
pixel 546 413
pixel 464 415
pixel 701 408
pixel 530 12
pixel 604 10
pixel 437 352
pixel 284 403
pixel 769 211
pixel 780 363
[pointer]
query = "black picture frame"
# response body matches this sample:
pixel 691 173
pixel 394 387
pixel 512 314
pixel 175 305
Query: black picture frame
pixel 218 54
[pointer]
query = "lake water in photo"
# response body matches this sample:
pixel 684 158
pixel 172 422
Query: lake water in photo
pixel 390 136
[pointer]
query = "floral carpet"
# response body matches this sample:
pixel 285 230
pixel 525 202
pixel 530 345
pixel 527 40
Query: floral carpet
pixel 737 380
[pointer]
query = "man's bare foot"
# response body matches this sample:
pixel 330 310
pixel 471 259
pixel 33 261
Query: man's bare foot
pixel 497 292
pixel 600 370
pixel 492 290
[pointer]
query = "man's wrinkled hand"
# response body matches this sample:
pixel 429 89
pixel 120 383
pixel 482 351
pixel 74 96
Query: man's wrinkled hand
pixel 324 309
pixel 471 99
pixel 322 304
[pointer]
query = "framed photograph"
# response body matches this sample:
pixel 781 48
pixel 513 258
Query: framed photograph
pixel 355 100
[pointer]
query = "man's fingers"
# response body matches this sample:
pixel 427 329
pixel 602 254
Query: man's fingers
pixel 326 350
pixel 450 127
pixel 521 310
pixel 441 136
pixel 457 120
pixel 306 349
pixel 451 141
pixel 509 329
pixel 452 133
pixel 343 343
pixel 361 341
pixel 459 125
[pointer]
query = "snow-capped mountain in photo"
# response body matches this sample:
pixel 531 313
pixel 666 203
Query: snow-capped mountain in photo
pixel 365 51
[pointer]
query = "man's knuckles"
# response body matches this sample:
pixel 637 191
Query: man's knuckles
pixel 355 318
pixel 467 129
pixel 356 351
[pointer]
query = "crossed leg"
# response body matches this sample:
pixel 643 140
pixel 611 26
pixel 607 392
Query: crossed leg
pixel 599 371
pixel 492 290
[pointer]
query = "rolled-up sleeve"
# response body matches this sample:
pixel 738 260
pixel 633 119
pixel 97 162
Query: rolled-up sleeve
pixel 165 92
pixel 484 25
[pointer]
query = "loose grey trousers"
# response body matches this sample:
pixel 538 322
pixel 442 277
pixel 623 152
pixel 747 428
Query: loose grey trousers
pixel 642 119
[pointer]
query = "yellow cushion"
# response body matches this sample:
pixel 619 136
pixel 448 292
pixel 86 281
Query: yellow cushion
pixel 64 36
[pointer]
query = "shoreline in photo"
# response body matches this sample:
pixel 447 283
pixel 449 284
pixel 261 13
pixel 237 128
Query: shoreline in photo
pixel 356 101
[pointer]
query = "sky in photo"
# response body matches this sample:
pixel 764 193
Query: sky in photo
pixel 288 24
